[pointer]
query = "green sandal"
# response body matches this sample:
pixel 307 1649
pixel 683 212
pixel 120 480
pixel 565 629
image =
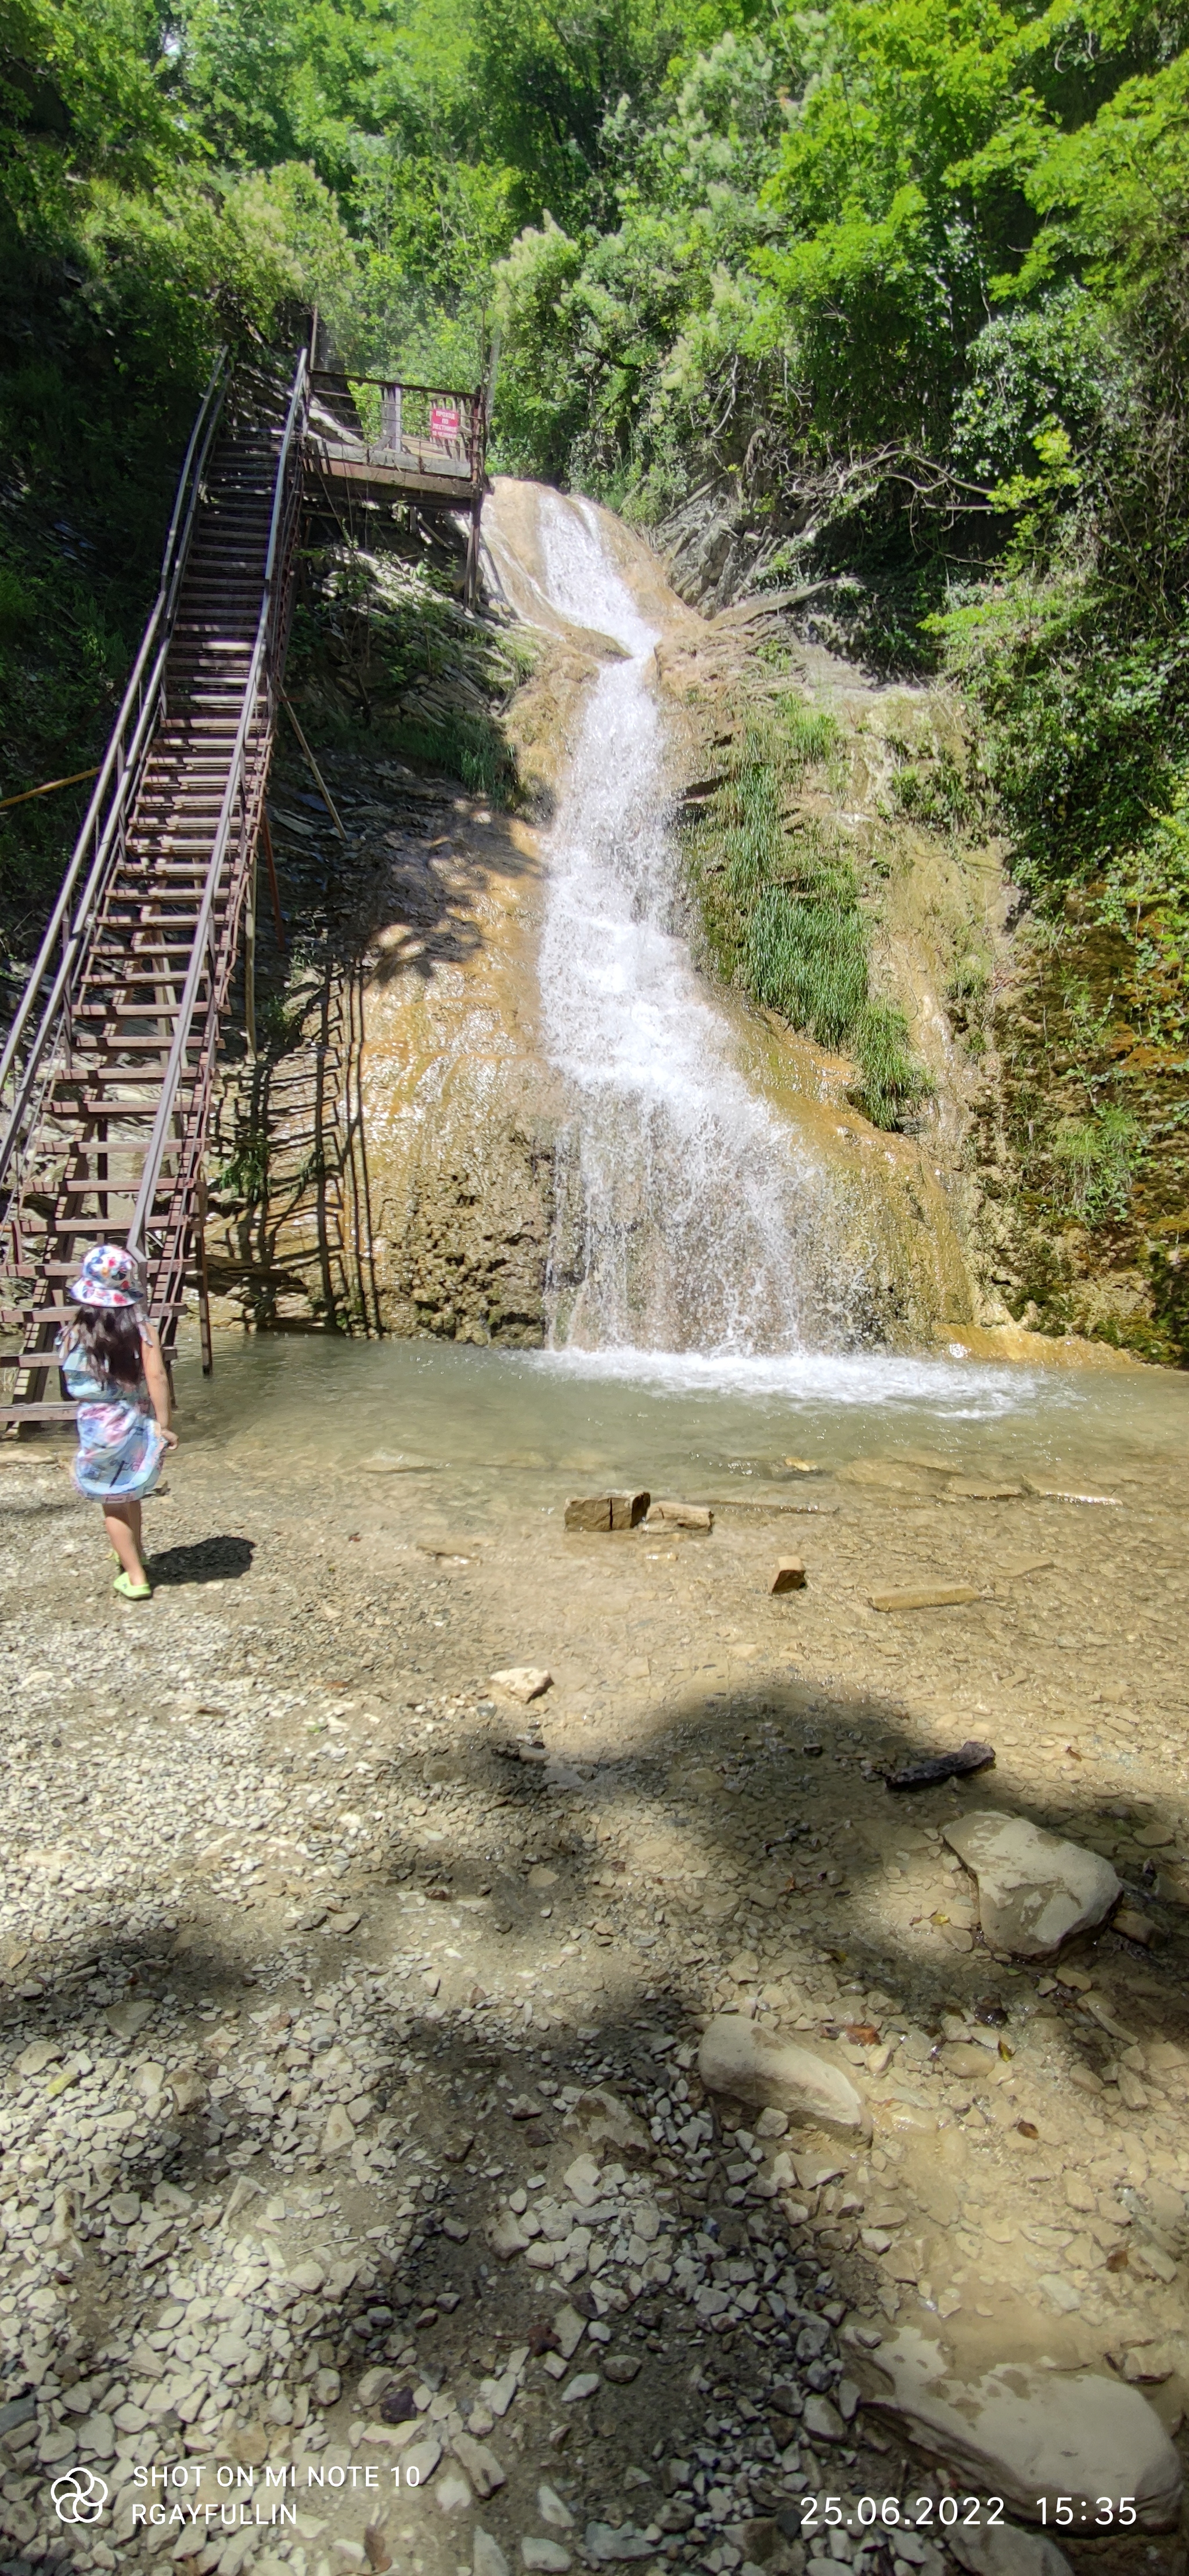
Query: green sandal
pixel 130 1591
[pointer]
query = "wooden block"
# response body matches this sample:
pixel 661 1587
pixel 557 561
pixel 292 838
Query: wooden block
pixel 789 1575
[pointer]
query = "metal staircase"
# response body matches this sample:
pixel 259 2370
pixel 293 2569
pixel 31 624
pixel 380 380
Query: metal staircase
pixel 106 1078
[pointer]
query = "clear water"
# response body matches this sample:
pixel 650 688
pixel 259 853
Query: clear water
pixel 690 1217
pixel 700 1332
pixel 449 1422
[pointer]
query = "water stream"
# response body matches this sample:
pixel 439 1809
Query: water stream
pixel 505 1429
pixel 690 1219
pixel 700 1333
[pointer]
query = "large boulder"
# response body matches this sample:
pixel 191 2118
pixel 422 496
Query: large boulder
pixel 1032 2435
pixel 1006 2551
pixel 735 2058
pixel 1035 1890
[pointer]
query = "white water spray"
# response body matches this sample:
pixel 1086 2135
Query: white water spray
pixel 690 1219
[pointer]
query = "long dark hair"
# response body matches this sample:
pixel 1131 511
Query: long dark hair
pixel 110 1337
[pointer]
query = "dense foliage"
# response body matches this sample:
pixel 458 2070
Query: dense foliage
pixel 906 282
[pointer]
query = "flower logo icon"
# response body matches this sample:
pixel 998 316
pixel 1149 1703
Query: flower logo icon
pixel 78 2496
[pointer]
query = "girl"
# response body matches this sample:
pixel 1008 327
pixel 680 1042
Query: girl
pixel 111 1361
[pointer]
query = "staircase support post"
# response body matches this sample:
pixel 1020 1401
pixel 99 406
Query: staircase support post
pixel 250 958
pixel 472 576
pixel 206 1344
pixel 274 889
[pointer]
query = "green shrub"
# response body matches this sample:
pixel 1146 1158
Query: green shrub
pixel 808 960
pixel 892 1083
pixel 17 607
pixel 1096 1161
pixel 781 912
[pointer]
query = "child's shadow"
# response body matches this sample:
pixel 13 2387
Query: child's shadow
pixel 210 1560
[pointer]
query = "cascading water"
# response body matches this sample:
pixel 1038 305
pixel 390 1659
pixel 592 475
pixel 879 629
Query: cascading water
pixel 689 1218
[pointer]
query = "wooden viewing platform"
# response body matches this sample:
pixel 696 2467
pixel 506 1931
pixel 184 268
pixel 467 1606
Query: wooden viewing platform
pixel 377 441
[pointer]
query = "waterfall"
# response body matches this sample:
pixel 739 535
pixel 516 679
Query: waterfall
pixel 689 1218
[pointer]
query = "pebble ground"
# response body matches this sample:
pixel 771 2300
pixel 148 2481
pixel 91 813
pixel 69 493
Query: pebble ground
pixel 350 2012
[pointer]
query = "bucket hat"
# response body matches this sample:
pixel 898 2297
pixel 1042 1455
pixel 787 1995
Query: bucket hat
pixel 109 1276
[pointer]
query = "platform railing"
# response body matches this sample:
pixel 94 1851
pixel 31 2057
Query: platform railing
pixel 213 953
pixel 31 1050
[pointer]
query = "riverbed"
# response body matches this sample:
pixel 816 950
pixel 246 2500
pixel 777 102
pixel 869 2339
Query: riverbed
pixel 412 1948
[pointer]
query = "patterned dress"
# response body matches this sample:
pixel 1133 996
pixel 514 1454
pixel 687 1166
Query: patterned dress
pixel 120 1444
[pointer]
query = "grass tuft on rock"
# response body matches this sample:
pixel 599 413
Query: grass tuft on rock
pixel 781 912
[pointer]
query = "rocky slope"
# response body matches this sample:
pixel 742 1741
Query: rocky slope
pixel 1056 1044
pixel 390 1160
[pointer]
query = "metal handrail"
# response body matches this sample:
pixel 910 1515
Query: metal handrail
pixel 123 761
pixel 159 1141
pixel 347 376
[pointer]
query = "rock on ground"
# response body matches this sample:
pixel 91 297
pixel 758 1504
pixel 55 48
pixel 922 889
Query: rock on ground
pixel 1030 2434
pixel 1035 1890
pixel 734 2058
pixel 1007 2551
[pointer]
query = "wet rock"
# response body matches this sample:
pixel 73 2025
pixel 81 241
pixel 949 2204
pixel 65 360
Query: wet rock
pixel 890 1476
pixel 621 2368
pixel 925 1596
pixel 734 2058
pixel 1027 2434
pixel 1035 1890
pixel 606 1511
pixel 1007 2551
pixel 962 2057
pixel 524 1682
pixel 789 1575
pixel 687 1516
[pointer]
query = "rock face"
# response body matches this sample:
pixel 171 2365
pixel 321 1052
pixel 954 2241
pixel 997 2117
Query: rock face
pixel 1031 2435
pixel 1034 1889
pixel 734 2058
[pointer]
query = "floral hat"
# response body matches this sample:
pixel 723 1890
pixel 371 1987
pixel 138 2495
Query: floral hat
pixel 109 1277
